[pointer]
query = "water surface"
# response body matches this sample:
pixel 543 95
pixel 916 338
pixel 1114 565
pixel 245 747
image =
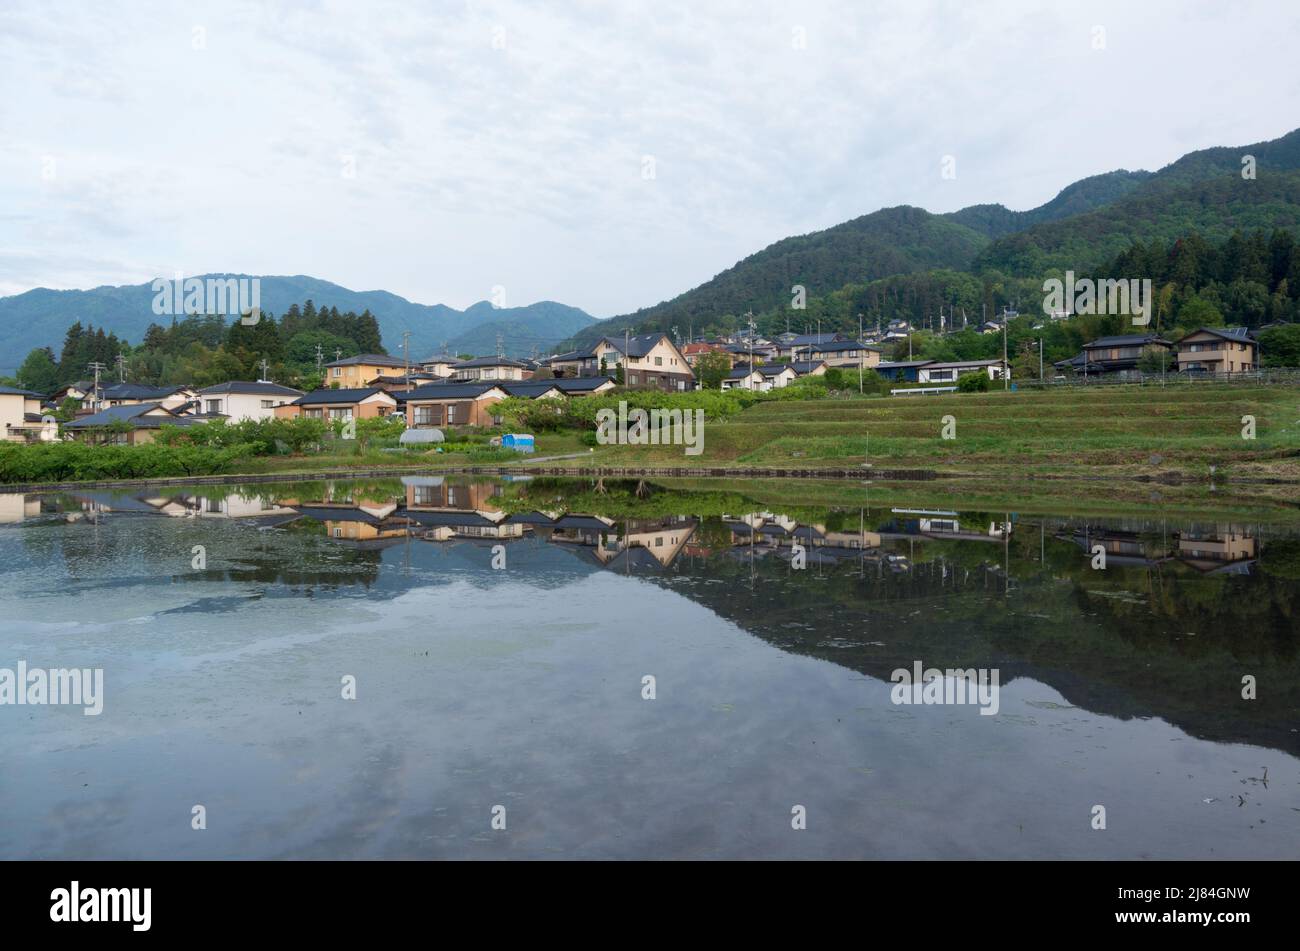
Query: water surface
pixel 523 686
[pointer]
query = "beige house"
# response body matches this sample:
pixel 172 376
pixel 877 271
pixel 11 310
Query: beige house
pixel 440 366
pixel 361 403
pixel 242 400
pixel 1218 350
pixel 21 419
pixel 356 372
pixel 453 404
pixel 842 353
pixel 653 360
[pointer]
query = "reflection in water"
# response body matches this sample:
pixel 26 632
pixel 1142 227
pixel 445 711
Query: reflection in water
pixel 1105 667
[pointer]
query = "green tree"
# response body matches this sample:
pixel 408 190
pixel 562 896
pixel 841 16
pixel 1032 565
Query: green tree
pixel 39 372
pixel 711 369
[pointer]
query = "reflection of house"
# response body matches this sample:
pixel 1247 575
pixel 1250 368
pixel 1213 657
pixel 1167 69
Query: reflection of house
pixel 1218 350
pixel 15 507
pixel 435 492
pixel 1214 552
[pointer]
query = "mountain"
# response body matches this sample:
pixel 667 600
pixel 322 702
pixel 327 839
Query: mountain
pixel 40 317
pixel 1088 223
pixel 1203 191
pixel 898 240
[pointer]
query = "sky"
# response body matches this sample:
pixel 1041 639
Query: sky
pixel 605 155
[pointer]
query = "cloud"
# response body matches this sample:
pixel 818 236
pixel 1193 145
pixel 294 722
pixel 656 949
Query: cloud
pixel 440 151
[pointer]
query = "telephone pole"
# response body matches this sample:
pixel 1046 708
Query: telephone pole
pixel 406 354
pixel 121 367
pixel 97 368
pixel 266 370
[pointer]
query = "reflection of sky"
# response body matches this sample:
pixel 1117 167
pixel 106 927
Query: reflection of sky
pixel 523 688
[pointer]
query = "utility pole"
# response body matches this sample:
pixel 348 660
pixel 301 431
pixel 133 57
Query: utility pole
pixel 320 358
pixel 1006 377
pixel 98 368
pixel 1040 359
pixel 862 354
pixel 121 367
pixel 266 370
pixel 749 318
pixel 406 355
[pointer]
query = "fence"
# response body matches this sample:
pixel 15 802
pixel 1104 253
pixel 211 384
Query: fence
pixel 1263 377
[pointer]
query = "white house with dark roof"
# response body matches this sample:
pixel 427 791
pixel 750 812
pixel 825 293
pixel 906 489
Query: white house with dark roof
pixel 240 399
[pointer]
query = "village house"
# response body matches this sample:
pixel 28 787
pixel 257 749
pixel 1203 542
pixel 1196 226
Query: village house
pixel 1218 350
pixel 796 346
pixel 144 420
pixel 357 372
pixel 843 353
pixel 135 394
pixel 491 368
pixel 902 371
pixel 937 372
pixel 1114 355
pixel 653 360
pixel 453 404
pixel 357 403
pixel 693 351
pixel 439 365
pixel 245 400
pixel 21 419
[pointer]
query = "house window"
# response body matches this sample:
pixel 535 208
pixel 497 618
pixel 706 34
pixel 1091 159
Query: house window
pixel 338 533
pixel 214 406
pixel 344 413
pixel 659 361
pixel 312 413
pixel 632 378
pixel 338 371
pixel 268 404
pixel 451 414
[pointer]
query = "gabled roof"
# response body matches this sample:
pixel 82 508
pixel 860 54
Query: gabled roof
pixel 258 388
pixel 840 346
pixel 1235 334
pixel 637 346
pixel 323 397
pixel 369 360
pixel 489 362
pixel 742 372
pixel 955 364
pixel 454 391
pixel 13 391
pixel 903 364
pixel 803 367
pixel 439 358
pixel 137 415
pixel 534 388
pixel 803 340
pixel 1128 340
pixel 136 391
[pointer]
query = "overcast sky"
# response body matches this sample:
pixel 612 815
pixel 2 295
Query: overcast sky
pixel 607 155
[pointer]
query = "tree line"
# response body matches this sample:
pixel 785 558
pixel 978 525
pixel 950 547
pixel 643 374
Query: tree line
pixel 200 350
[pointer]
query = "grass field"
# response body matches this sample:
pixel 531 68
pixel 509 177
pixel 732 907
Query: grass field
pixel 1067 433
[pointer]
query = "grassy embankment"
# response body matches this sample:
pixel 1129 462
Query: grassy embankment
pixel 1066 433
